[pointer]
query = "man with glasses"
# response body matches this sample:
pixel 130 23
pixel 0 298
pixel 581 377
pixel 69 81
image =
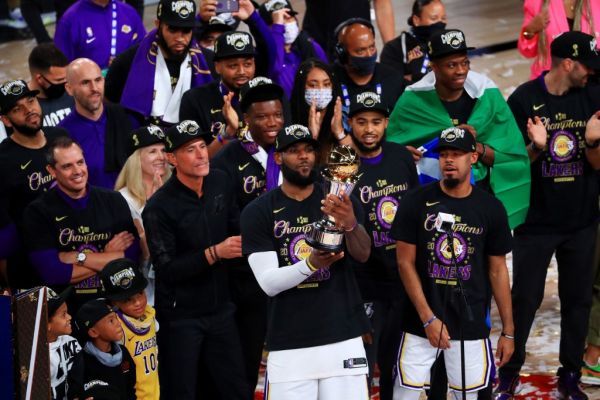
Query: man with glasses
pixel 150 79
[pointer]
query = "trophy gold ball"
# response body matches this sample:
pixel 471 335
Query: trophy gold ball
pixel 340 175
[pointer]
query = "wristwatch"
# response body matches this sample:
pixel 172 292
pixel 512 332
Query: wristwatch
pixel 528 35
pixel 81 257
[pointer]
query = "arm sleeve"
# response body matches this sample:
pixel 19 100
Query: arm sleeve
pixel 276 55
pixel 265 43
pixel 528 47
pixel 517 109
pixel 63 38
pixel 405 221
pixel 51 270
pixel 42 247
pixel 9 239
pixel 161 237
pixel 498 241
pixel 274 279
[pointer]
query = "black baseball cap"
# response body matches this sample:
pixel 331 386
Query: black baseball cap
pixel 121 279
pixel 293 134
pixel 145 136
pixel 455 138
pixel 100 390
pixel 445 42
pixel 92 312
pixel 577 46
pixel 267 8
pixel 183 132
pixel 234 44
pixel 179 13
pixel 56 300
pixel 367 101
pixel 259 89
pixel 214 24
pixel 13 91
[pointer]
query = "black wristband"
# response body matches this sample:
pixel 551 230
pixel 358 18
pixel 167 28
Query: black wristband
pixel 535 148
pixel 593 145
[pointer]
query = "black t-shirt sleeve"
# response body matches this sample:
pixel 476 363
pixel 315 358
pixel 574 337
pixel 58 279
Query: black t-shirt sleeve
pixel 392 55
pixel 256 228
pixel 515 103
pixel 38 229
pixel 498 241
pixel 130 379
pixel 405 225
pixel 191 109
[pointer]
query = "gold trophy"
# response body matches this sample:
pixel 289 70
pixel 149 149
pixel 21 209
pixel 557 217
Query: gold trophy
pixel 340 176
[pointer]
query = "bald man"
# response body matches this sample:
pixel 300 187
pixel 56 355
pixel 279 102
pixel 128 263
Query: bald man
pixel 100 128
pixel 357 68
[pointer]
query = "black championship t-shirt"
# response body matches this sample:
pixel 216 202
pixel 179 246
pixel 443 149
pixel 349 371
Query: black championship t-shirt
pixel 52 222
pixel 326 308
pixel 383 180
pixel 246 174
pixel 55 110
pixel 564 186
pixel 24 178
pixel 415 63
pixel 23 172
pixel 481 230
pixel 460 110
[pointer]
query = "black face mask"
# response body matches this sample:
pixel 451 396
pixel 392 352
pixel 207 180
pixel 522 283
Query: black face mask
pixel 424 32
pixel 363 66
pixel 54 90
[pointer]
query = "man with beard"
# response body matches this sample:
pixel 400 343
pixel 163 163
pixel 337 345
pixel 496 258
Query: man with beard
pixel 357 68
pixel 23 168
pixel 75 229
pixel 189 223
pixel 209 105
pixel 387 171
pixel 102 130
pixel 451 234
pixel 246 161
pixel 150 79
pixel 316 317
pixel 559 120
pixel 48 69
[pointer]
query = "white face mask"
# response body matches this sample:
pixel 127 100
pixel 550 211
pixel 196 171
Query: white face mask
pixel 291 32
pixel 321 97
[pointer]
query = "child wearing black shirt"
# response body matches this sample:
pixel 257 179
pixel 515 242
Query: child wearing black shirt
pixel 102 358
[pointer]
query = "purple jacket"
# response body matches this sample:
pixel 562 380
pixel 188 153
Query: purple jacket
pixel 85 30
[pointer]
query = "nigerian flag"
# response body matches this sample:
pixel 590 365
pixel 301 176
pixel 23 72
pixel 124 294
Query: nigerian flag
pixel 419 116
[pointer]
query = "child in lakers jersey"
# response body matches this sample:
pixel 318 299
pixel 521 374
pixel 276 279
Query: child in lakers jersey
pixel 124 286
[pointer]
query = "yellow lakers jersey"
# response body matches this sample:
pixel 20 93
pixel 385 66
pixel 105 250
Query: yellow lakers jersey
pixel 140 340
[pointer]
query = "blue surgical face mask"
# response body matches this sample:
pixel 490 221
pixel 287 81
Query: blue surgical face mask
pixel 291 32
pixel 363 65
pixel 321 97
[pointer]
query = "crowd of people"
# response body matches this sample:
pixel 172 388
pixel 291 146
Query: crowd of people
pixel 166 186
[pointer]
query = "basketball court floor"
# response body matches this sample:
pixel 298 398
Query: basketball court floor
pixel 488 25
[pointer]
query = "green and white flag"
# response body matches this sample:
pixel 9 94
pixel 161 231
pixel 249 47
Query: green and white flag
pixel 419 116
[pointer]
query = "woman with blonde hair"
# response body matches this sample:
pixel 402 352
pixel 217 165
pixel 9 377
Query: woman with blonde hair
pixel 142 175
pixel 545 19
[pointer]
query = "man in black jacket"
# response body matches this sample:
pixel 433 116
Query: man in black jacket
pixel 187 226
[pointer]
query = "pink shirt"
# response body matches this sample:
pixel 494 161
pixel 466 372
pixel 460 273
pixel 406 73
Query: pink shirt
pixel 558 24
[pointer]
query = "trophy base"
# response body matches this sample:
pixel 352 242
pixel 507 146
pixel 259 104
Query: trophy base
pixel 325 237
